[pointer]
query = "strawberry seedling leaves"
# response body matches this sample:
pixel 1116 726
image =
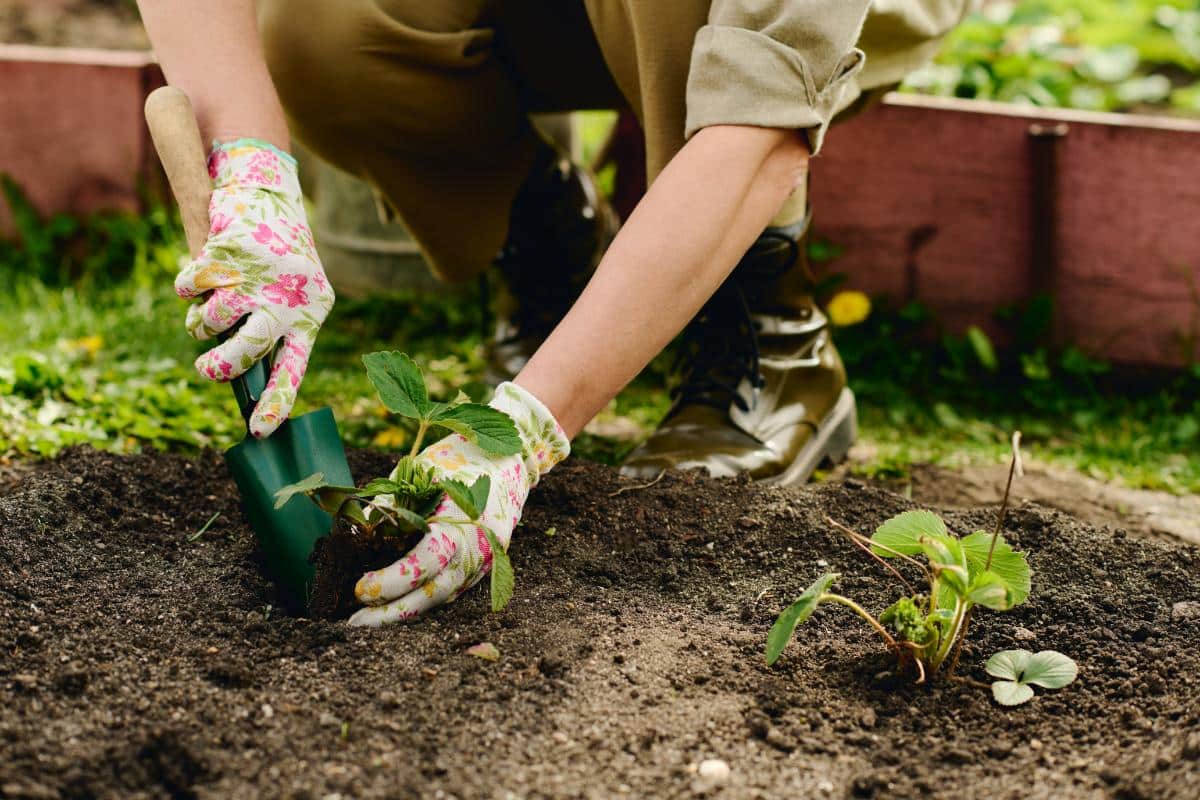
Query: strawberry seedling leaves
pixel 328 496
pixel 380 486
pixel 399 382
pixel 492 430
pixel 309 484
pixel 471 499
pixel 1009 564
pixel 989 590
pixel 796 613
pixel 503 578
pixel 409 521
pixel 947 560
pixel 1020 670
pixel 903 532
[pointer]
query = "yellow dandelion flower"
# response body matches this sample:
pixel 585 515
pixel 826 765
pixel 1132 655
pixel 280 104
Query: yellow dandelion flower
pixel 389 437
pixel 88 344
pixel 848 308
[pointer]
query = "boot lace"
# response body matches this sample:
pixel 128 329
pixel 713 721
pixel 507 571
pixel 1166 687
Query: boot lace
pixel 720 347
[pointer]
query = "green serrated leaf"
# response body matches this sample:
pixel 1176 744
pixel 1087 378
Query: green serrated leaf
pixel 399 382
pixel 503 578
pixel 1009 564
pixel 492 430
pixel 356 513
pixel 796 613
pixel 328 496
pixel 902 533
pixel 1011 693
pixel 949 564
pixel 461 495
pixel 380 486
pixel 408 521
pixel 333 498
pixel 309 484
pixel 1050 670
pixel 480 490
pixel 989 590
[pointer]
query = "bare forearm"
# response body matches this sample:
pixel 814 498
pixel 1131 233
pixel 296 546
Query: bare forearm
pixel 211 51
pixel 698 218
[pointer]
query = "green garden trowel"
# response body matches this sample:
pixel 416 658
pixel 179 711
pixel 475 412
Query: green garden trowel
pixel 302 445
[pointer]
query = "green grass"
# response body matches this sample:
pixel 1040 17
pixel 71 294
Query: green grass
pixel 103 360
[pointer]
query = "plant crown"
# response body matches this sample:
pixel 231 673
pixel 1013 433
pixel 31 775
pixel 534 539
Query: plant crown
pixel 406 502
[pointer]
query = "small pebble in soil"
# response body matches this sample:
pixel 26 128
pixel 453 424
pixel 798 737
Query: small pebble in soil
pixel 1185 610
pixel 825 787
pixel 1023 634
pixel 714 770
pixel 1191 747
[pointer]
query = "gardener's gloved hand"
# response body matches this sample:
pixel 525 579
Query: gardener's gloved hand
pixel 453 556
pixel 259 260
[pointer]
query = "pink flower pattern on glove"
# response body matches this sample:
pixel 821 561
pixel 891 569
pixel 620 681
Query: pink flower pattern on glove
pixel 288 289
pixel 258 264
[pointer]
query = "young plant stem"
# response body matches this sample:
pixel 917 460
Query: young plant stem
pixel 857 539
pixel 1012 471
pixel 1013 466
pixel 862 612
pixel 422 428
pixel 943 649
pixel 958 646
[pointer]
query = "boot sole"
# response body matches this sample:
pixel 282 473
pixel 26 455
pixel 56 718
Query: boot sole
pixel 833 440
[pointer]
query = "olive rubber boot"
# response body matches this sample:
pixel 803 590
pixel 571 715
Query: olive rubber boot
pixel 559 228
pixel 762 389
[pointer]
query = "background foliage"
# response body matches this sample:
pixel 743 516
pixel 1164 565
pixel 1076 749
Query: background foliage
pixel 1103 55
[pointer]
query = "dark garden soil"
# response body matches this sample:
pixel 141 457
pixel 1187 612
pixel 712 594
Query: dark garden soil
pixel 137 663
pixel 341 558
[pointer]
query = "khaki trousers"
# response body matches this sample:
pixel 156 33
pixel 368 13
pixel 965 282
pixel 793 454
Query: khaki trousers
pixel 428 101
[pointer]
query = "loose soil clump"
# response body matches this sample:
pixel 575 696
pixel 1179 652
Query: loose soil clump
pixel 341 558
pixel 135 662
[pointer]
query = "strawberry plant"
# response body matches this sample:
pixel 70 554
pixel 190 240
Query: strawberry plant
pixel 399 508
pixel 926 629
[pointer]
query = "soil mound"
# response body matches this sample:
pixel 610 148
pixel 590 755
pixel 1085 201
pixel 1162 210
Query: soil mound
pixel 136 661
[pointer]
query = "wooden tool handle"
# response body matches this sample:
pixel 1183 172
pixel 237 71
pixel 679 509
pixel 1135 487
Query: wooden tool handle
pixel 177 139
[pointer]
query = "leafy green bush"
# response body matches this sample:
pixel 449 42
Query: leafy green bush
pixel 1104 55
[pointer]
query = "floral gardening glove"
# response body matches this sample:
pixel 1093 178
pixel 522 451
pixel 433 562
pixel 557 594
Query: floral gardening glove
pixel 260 261
pixel 455 554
